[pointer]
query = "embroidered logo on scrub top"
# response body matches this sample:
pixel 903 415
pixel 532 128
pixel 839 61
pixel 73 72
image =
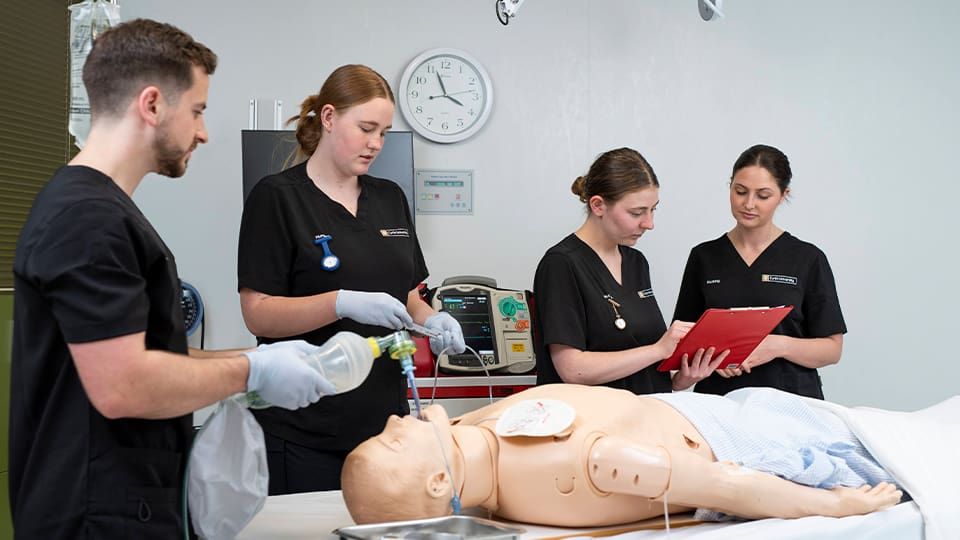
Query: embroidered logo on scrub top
pixel 774 278
pixel 646 293
pixel 395 233
pixel 713 282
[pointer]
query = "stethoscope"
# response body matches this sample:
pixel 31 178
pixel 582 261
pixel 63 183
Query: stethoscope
pixel 330 262
pixel 619 322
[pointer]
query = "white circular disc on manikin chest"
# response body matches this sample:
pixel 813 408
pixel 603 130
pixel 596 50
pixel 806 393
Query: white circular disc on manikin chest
pixel 536 418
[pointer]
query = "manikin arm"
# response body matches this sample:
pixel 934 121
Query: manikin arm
pixel 688 479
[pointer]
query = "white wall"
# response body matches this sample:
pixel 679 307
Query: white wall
pixel 859 94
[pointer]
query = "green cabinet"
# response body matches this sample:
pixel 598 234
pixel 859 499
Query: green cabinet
pixel 6 344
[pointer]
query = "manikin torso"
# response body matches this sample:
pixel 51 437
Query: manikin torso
pixel 545 479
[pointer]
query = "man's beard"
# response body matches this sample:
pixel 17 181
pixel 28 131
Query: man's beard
pixel 170 160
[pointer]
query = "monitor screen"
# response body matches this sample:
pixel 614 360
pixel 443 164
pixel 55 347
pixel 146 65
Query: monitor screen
pixel 472 311
pixel 266 152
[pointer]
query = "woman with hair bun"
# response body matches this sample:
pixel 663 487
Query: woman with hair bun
pixel 291 288
pixel 599 320
pixel 759 264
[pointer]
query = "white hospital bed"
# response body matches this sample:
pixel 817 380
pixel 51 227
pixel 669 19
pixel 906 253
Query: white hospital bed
pixel 314 516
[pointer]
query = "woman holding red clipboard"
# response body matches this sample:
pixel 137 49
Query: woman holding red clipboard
pixel 599 320
pixel 760 264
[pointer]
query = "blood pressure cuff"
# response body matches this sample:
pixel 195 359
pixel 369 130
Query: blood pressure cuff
pixel 228 476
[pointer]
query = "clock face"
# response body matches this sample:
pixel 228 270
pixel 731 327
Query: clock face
pixel 447 95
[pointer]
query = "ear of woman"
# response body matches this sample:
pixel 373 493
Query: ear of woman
pixel 597 206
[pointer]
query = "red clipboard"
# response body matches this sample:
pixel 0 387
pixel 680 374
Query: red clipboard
pixel 737 329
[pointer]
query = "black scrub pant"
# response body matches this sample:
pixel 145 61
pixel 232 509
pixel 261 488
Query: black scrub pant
pixel 298 469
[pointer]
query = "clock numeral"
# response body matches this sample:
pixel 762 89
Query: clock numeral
pixel 445 126
pixel 414 94
pixel 446 64
pixel 431 69
pixel 429 120
pixel 419 109
pixel 459 122
pixel 421 80
pixel 471 113
pixel 476 96
pixel 473 81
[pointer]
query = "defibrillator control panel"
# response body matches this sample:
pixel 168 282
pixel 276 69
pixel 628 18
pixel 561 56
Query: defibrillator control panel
pixel 495 322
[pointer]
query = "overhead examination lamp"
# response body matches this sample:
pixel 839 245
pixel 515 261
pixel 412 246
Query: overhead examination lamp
pixel 710 10
pixel 507 9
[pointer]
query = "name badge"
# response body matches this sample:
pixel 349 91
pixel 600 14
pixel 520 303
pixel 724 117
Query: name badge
pixel 774 278
pixel 398 232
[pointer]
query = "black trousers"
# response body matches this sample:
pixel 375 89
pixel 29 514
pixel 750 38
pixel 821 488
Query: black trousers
pixel 298 469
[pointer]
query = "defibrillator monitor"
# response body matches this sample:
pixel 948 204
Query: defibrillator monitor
pixel 472 311
pixel 495 323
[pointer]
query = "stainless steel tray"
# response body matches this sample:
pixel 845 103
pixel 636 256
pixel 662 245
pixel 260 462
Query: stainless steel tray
pixel 443 528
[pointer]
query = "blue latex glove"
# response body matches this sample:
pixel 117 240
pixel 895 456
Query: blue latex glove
pixel 452 336
pixel 373 308
pixel 281 374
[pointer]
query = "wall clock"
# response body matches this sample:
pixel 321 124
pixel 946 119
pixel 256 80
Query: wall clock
pixel 446 96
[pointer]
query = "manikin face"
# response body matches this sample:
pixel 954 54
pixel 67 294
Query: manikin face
pixel 182 128
pixel 357 134
pixel 411 437
pixel 401 473
pixel 754 197
pixel 627 219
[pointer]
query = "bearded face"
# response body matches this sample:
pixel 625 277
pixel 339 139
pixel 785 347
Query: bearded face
pixel 172 156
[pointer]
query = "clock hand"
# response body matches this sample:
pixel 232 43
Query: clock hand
pixel 460 92
pixel 455 100
pixel 442 88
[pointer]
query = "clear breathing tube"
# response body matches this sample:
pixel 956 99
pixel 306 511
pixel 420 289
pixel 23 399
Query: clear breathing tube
pixel 455 504
pixel 401 347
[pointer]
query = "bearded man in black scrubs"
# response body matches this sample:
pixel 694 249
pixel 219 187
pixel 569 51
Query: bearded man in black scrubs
pixel 102 384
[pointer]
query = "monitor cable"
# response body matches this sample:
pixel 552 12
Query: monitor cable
pixel 436 373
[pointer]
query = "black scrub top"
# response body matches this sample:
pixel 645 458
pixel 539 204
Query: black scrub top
pixel 570 288
pixel 88 267
pixel 378 251
pixel 788 272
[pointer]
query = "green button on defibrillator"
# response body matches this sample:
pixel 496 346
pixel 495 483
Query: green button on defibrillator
pixel 508 307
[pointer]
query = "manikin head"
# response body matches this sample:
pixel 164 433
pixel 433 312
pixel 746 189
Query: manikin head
pixel 157 73
pixel 403 472
pixel 621 192
pixel 349 117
